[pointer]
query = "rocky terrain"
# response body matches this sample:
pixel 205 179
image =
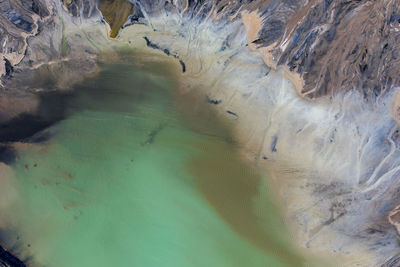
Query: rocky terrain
pixel 334 46
pixel 341 57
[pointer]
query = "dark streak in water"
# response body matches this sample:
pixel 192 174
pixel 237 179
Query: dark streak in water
pixel 7 154
pixel 7 259
pixel 27 125
pixel 150 44
pixel 273 143
pixel 151 136
pixel 213 101
pixel 22 127
pixel 183 65
pixel 232 113
pixel 30 127
pixel 165 50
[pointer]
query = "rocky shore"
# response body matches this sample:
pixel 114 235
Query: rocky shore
pixel 309 87
pixel 333 46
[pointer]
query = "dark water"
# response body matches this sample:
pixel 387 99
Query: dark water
pixel 135 175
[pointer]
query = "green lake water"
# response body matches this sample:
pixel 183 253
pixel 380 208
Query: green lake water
pixel 133 178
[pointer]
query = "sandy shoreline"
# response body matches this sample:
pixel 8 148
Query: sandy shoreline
pixel 253 24
pixel 309 149
pixel 268 116
pixel 257 107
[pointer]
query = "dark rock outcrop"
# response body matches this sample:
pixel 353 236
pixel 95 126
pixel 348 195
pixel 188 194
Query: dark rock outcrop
pixel 334 45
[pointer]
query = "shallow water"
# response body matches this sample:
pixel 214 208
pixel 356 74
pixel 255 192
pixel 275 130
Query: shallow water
pixel 134 178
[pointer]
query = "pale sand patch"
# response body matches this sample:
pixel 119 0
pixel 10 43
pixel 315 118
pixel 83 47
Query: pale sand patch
pixel 394 218
pixel 396 108
pixel 295 79
pixel 253 24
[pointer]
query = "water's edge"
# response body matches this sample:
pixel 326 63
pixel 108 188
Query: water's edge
pixel 187 101
pixel 322 152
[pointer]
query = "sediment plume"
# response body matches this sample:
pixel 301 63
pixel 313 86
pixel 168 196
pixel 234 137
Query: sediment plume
pixel 309 87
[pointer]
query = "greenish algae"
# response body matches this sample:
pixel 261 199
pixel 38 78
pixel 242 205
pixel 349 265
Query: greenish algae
pixel 125 181
pixel 116 12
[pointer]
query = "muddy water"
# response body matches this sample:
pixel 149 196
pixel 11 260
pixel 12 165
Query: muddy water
pixel 133 176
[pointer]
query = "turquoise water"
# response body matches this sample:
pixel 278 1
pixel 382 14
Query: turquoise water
pixel 134 178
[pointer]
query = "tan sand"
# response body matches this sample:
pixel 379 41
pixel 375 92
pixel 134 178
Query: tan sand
pixel 394 218
pixel 396 108
pixel 253 24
